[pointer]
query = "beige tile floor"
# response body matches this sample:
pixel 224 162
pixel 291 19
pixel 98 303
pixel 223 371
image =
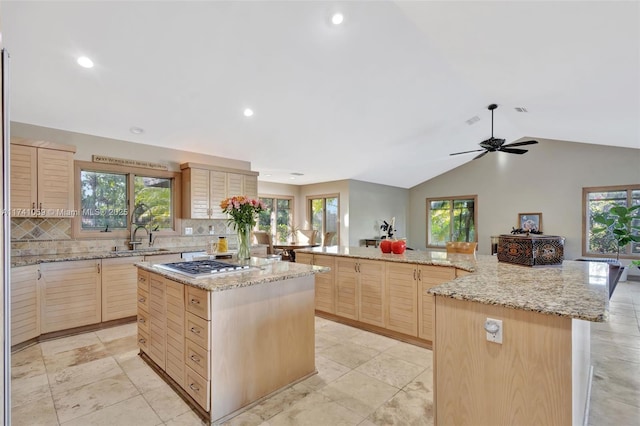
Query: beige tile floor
pixel 364 379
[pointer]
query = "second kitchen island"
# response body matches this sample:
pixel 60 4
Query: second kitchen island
pixel 225 342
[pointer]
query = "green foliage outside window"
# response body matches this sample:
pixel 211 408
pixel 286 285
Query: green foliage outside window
pixel 450 220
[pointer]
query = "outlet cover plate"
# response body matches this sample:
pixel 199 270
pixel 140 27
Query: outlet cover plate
pixel 491 324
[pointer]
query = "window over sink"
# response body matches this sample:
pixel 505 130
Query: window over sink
pixel 109 197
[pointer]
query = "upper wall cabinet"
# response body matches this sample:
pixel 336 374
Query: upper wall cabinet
pixel 41 179
pixel 204 187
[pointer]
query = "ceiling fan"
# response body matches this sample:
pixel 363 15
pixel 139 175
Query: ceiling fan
pixel 494 144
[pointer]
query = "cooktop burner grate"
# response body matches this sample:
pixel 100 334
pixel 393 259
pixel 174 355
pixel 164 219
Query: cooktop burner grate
pixel 200 268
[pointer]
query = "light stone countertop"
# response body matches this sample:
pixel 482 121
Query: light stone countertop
pixel 466 262
pixel 262 271
pixel 574 289
pixel 64 257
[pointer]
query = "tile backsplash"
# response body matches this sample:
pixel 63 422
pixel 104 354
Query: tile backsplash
pixel 39 236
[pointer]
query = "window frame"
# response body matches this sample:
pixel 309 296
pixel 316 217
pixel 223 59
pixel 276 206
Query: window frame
pixel 76 223
pixel 274 228
pixel 321 232
pixel 450 199
pixel 626 254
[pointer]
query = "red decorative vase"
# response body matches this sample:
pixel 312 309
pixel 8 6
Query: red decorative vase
pixel 399 246
pixel 385 246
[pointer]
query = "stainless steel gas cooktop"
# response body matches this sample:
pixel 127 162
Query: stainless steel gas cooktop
pixel 202 268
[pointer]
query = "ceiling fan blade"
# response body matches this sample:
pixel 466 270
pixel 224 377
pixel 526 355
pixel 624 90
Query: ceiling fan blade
pixel 481 155
pixel 466 152
pixel 513 150
pixel 520 143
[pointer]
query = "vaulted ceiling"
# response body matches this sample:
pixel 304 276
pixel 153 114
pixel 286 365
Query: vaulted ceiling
pixel 384 97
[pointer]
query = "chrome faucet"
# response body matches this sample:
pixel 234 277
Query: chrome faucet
pixel 133 242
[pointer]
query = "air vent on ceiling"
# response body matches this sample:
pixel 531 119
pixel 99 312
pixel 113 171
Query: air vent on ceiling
pixel 472 120
pixel 521 109
pixel 297 174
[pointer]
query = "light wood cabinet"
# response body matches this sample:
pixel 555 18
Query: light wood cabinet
pixel 119 287
pixel 25 304
pixel 360 290
pixel 41 179
pixel 157 320
pixel 402 297
pixel 430 276
pixel 163 258
pixel 70 295
pixel 198 352
pixel 204 187
pixel 144 319
pixel 325 282
pixel 175 315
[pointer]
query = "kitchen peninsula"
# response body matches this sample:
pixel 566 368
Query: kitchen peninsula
pixel 227 341
pixel 539 373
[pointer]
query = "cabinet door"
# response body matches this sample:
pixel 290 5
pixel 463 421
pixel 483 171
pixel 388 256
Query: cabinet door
pixel 430 276
pixel 70 295
pixel 325 283
pixel 251 186
pixel 55 181
pixel 305 258
pixel 402 298
pixel 24 179
pixel 371 305
pixel 157 314
pixel 25 304
pixel 119 287
pixel 235 184
pixel 218 192
pixel 195 190
pixel 175 309
pixel 346 288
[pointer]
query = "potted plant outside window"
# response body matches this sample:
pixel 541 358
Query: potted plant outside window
pixel 617 223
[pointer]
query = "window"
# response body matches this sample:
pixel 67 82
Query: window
pixel 109 197
pixel 277 218
pixel 601 199
pixel 451 219
pixel 324 214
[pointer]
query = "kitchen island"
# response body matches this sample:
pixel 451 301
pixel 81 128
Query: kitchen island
pixel 228 341
pixel 540 371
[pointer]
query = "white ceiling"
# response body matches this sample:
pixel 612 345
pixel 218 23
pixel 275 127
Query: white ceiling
pixel 383 98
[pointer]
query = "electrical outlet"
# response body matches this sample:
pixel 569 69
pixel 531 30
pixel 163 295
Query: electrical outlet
pixel 188 231
pixel 493 327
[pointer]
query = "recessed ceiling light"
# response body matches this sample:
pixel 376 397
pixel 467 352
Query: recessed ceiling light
pixel 337 18
pixel 248 112
pixel 85 62
pixel 136 130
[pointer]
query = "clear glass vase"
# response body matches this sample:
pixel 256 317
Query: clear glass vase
pixel 244 235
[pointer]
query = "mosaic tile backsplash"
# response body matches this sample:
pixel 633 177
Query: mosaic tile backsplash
pixel 38 236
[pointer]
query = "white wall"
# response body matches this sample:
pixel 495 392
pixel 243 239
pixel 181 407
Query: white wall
pixel 88 145
pixel 370 204
pixel 548 179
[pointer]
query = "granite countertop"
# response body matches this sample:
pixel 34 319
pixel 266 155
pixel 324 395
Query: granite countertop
pixel 573 289
pixel 262 271
pixel 63 257
pixel 466 262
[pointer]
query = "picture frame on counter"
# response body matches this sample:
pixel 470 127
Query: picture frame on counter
pixel 530 221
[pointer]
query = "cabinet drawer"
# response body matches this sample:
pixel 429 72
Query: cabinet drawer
pixel 197 359
pixel 198 302
pixel 197 387
pixel 143 321
pixel 197 330
pixel 143 300
pixel 143 279
pixel 143 340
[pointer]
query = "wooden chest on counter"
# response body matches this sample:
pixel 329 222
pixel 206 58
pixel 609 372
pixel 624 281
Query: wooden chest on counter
pixel 531 250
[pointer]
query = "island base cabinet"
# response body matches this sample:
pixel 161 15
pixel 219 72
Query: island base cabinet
pixel 325 284
pixel 157 326
pixel 25 304
pixel 119 287
pixel 402 298
pixel 428 277
pixel 526 380
pixel 262 339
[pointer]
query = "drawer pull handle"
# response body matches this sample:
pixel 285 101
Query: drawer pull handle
pixel 142 320
pixel 194 388
pixel 195 330
pixel 142 299
pixel 195 359
pixel 142 341
pixel 195 302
